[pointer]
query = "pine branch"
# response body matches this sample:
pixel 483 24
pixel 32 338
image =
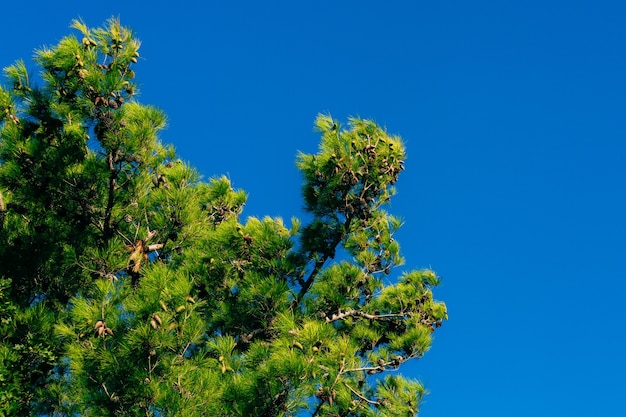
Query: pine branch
pixel 2 212
pixel 113 173
pixel 317 409
pixel 351 313
pixel 381 365
pixel 367 400
pixel 307 283
pixel 246 339
pixel 320 262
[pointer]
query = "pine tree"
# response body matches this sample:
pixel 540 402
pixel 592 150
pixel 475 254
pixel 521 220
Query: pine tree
pixel 130 286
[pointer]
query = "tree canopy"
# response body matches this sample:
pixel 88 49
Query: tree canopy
pixel 131 286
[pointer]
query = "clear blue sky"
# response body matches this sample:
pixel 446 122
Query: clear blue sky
pixel 514 118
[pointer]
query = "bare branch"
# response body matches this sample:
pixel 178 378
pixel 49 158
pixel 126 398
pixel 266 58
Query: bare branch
pixel 351 313
pixel 153 247
pixel 355 392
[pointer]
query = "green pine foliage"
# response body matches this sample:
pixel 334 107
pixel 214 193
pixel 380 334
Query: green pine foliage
pixel 130 286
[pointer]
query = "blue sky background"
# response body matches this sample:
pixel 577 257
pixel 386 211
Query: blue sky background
pixel 514 118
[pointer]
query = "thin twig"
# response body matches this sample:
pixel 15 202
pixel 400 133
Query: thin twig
pixel 360 396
